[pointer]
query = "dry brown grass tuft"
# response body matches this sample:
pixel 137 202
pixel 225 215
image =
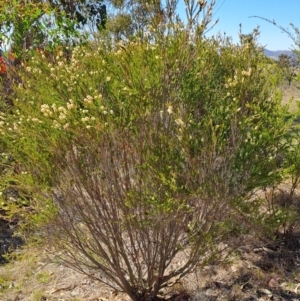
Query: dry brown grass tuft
pixel 291 94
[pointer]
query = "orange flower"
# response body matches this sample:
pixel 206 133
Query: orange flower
pixel 2 66
pixel 12 56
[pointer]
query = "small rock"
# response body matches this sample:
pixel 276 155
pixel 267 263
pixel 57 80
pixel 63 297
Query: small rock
pixel 274 282
pixel 264 291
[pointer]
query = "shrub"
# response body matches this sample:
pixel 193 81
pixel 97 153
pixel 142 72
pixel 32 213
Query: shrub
pixel 280 216
pixel 146 149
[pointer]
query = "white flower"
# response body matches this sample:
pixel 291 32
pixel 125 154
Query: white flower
pixel 170 110
pixel 54 107
pixel 70 105
pixel 44 108
pixel 247 73
pixel 62 116
pixel 108 79
pixel 88 99
pixel 56 124
pixel 85 119
pixel 62 109
pixel 179 122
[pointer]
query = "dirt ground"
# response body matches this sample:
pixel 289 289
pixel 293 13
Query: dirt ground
pixel 253 271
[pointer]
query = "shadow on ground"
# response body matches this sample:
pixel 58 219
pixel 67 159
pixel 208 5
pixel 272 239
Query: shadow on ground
pixel 8 242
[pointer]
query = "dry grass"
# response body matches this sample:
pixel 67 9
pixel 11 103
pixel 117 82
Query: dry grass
pixel 35 276
pixel 291 95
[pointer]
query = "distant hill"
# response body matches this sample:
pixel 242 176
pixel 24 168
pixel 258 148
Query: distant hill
pixel 276 54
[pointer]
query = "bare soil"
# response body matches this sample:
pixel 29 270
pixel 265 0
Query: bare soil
pixel 252 271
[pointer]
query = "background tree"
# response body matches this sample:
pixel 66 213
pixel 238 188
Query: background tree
pixel 133 16
pixel 27 25
pixel 136 17
pixel 288 65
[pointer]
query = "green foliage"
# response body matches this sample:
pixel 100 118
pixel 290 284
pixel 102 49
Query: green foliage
pixel 282 213
pixel 43 277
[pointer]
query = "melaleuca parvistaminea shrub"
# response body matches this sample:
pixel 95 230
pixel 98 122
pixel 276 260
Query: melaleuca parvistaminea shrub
pixel 146 149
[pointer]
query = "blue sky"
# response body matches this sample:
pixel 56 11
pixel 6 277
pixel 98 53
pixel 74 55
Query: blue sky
pixel 231 13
